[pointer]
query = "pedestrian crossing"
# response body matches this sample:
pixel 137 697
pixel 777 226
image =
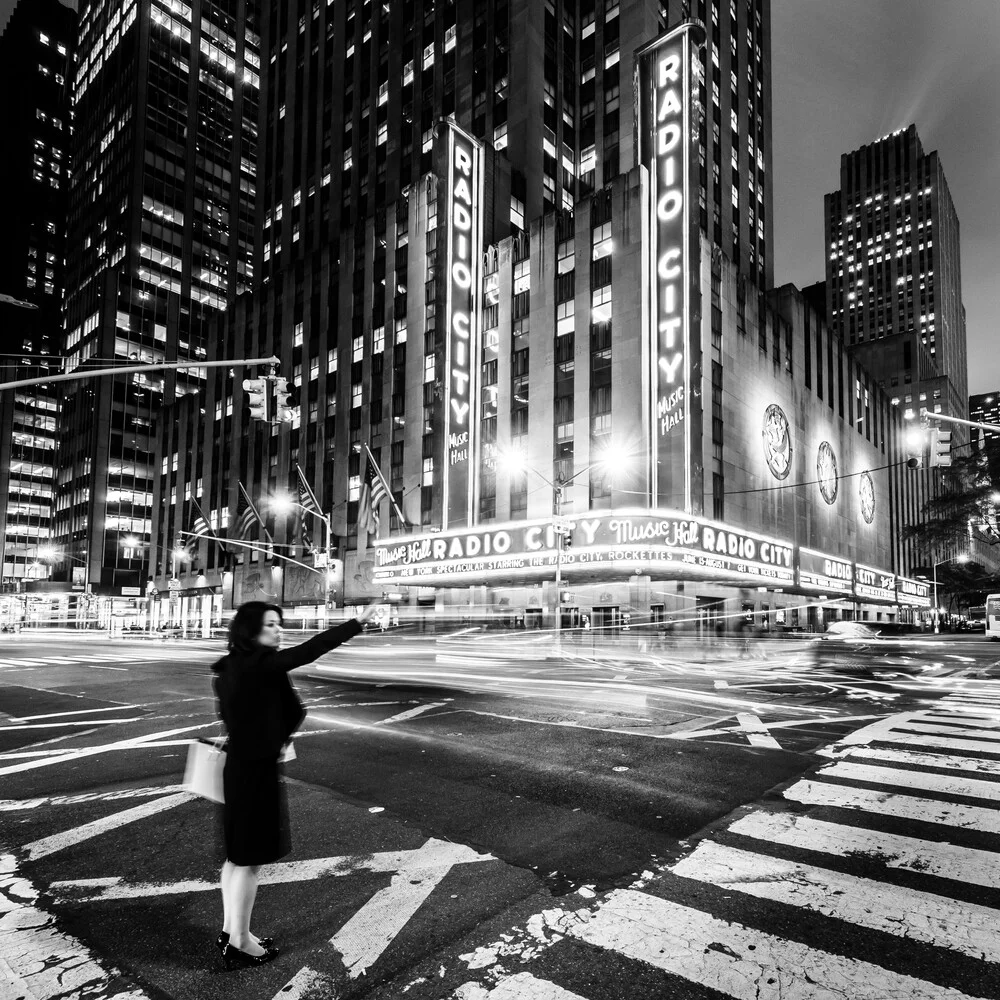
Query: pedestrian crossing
pixel 109 658
pixel 876 877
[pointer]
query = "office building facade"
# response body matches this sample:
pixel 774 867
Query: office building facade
pixel 161 226
pixel 894 273
pixel 36 62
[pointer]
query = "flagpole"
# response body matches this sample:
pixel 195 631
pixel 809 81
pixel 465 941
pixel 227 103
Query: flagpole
pixel 326 519
pixel 385 486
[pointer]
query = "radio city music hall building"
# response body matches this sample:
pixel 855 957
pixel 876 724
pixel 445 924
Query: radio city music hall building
pixel 622 311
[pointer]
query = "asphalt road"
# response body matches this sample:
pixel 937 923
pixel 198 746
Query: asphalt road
pixel 472 812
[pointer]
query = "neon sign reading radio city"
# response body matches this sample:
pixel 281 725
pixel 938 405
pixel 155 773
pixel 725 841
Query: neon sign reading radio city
pixel 463 184
pixel 461 277
pixel 669 148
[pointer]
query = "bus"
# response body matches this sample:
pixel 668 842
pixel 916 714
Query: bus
pixel 993 616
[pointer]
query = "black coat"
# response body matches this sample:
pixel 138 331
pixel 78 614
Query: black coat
pixel 257 702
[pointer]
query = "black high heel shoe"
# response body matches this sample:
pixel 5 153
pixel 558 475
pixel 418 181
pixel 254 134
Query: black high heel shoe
pixel 236 959
pixel 223 939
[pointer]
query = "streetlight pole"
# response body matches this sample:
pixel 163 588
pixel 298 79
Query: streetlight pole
pixel 963 558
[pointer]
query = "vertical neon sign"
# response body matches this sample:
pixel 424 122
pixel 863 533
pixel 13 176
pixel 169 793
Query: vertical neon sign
pixel 664 123
pixel 462 283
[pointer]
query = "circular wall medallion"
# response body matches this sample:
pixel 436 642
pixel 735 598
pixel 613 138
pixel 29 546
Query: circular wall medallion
pixel 826 472
pixel 777 441
pixel 866 487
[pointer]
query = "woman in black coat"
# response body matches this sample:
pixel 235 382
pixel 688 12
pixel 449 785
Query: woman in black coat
pixel 260 710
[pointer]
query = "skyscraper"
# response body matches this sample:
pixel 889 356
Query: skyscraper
pixel 894 273
pixel 160 239
pixel 35 62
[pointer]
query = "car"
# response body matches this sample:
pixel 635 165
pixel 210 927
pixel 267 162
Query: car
pixel 855 647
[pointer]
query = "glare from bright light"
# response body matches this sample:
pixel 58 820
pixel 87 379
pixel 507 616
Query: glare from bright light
pixel 995 496
pixel 281 503
pixel 963 558
pixel 130 541
pixel 48 552
pixel 916 437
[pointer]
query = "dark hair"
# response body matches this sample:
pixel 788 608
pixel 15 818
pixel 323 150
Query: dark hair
pixel 247 624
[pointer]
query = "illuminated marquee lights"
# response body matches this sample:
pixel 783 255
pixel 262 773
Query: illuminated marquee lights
pixel 664 101
pixel 464 185
pixel 915 593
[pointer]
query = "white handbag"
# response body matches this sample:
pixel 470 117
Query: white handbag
pixel 203 772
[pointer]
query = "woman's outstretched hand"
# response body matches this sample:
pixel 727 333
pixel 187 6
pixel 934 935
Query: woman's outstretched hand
pixel 369 612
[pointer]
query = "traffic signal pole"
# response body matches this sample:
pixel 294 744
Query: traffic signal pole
pixel 131 369
pixel 925 413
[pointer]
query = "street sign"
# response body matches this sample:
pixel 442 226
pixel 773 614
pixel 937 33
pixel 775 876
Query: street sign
pixel 174 584
pixel 320 559
pixel 131 591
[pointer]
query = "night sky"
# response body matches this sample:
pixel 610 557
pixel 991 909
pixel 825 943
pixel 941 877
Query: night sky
pixel 849 71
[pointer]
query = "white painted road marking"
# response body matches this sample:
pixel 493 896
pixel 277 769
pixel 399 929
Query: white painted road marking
pixel 13 805
pixel 742 962
pixel 963 864
pixel 138 741
pixel 896 777
pixel 757 734
pixel 38 961
pixel 891 909
pixel 410 713
pixel 60 841
pixel 884 803
pixel 523 986
pixel 433 854
pixel 948 762
pixel 370 931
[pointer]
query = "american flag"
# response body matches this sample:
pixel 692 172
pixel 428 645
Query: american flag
pixel 200 526
pixel 246 517
pixel 371 496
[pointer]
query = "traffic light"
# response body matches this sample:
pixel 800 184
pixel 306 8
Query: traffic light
pixel 283 410
pixel 258 397
pixel 916 442
pixel 940 450
pixel 567 538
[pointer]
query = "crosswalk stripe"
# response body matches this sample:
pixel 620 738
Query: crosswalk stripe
pixel 918 758
pixel 921 780
pixel 26 663
pixel 739 961
pixel 919 916
pixel 962 864
pixel 946 743
pixel 979 732
pixel 523 986
pixel 908 807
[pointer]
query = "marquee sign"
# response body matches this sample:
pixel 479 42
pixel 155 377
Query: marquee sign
pixel 818 571
pixel 463 257
pixel 874 584
pixel 608 545
pixel 916 593
pixel 665 95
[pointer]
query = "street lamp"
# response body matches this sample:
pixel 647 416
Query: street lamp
pixel 514 462
pixel 283 504
pixel 963 558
